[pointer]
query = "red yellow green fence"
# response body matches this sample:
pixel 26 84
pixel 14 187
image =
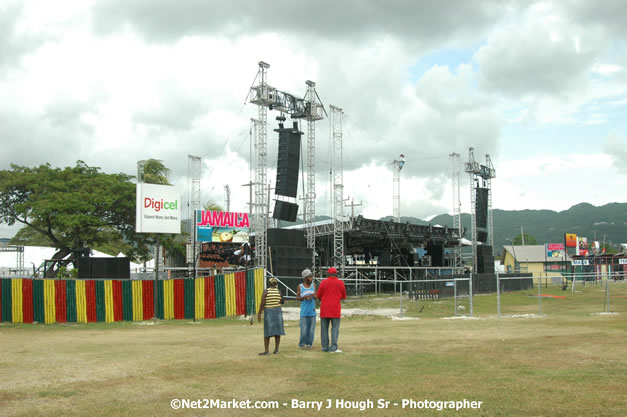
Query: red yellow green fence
pixel 85 301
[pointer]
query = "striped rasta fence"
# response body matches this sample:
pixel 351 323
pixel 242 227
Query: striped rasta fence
pixel 26 300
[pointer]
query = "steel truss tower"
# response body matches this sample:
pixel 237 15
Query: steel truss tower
pixel 338 189
pixel 260 212
pixel 310 108
pixel 313 114
pixel 479 176
pixel 488 179
pixel 194 171
pixel 457 212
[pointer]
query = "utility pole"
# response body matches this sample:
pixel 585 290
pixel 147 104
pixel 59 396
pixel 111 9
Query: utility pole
pixel 352 206
pixel 227 197
pixel 522 235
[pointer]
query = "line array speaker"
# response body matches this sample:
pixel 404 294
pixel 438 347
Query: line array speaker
pixel 288 162
pixel 284 210
pixel 481 207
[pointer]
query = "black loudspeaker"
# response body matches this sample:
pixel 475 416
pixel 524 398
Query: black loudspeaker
pixel 115 268
pixel 288 261
pixel 485 264
pixel 481 207
pixel 284 210
pixel 484 250
pixel 436 252
pixel 482 236
pixel 287 237
pixel 288 162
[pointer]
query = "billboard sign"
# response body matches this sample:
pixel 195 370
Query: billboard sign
pixel 582 245
pixel 221 226
pixel 554 250
pixel 571 240
pixel 158 209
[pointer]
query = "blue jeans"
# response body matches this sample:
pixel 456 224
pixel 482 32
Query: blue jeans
pixel 324 333
pixel 307 329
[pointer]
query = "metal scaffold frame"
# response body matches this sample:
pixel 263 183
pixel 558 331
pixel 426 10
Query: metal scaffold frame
pixel 314 114
pixel 309 108
pixel 194 168
pixel 492 171
pixel 338 188
pixel 477 173
pixel 457 212
pixel 262 99
pixel 194 172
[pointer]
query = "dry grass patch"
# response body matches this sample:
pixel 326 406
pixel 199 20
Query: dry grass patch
pixel 561 364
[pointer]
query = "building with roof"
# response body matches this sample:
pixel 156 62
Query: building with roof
pixel 534 259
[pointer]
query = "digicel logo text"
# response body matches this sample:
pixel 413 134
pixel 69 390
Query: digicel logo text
pixel 158 205
pixel 223 219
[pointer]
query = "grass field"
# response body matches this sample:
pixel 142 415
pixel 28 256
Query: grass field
pixel 568 362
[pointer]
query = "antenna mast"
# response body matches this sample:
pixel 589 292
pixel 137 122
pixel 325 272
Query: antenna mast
pixel 397 165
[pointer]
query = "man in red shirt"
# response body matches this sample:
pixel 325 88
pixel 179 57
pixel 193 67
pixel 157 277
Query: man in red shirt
pixel 330 293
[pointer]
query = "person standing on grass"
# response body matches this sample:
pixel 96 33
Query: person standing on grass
pixel 330 293
pixel 306 293
pixel 271 301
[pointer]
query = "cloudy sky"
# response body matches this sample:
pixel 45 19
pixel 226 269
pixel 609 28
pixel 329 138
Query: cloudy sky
pixel 539 86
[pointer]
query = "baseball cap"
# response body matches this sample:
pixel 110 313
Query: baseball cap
pixel 306 272
pixel 332 271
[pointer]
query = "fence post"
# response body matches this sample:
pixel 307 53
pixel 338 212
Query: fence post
pixel 394 280
pixel 607 293
pixel 401 284
pixel 498 295
pixel 539 296
pixel 470 293
pixel 455 295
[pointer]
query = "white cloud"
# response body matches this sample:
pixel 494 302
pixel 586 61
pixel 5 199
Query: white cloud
pixel 615 148
pixel 606 69
pixel 555 182
pixel 113 82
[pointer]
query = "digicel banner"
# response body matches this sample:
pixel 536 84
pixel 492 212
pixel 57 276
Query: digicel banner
pixel 158 209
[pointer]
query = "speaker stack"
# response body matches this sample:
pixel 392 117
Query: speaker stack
pixel 289 261
pixel 436 252
pixel 115 268
pixel 485 259
pixel 287 237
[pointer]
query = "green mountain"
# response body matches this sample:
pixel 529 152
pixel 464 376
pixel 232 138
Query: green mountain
pixel 607 222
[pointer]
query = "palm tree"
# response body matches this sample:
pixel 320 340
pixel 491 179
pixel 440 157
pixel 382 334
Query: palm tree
pixel 212 206
pixel 153 171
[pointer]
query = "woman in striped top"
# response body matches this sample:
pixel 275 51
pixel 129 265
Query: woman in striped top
pixel 271 301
